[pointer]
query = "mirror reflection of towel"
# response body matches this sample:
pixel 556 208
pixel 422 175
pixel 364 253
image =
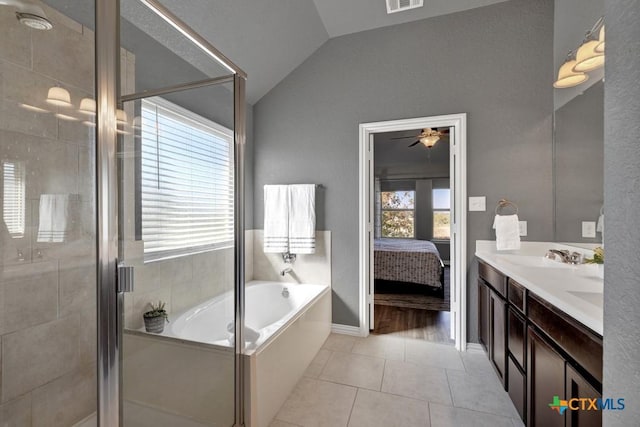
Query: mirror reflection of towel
pixel 54 214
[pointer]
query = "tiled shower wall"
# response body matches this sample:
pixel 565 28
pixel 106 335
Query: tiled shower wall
pixel 47 290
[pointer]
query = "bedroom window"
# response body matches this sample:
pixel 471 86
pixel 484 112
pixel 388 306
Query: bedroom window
pixel 398 214
pixel 441 214
pixel 186 182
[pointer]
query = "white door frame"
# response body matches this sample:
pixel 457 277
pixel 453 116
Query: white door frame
pixel 458 177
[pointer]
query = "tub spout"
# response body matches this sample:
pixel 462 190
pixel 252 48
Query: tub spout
pixel 286 271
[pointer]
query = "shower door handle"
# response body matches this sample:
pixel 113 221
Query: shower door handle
pixel 125 278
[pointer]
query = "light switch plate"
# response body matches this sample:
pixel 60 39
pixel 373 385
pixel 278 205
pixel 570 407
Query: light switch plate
pixel 523 228
pixel 588 229
pixel 477 204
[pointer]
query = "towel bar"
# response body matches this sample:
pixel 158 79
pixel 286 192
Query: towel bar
pixel 503 203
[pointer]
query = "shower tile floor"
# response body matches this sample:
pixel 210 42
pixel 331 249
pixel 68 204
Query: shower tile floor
pixel 392 381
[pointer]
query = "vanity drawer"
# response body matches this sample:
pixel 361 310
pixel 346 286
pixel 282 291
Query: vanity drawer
pixel 516 388
pixel 494 278
pixel 517 296
pixel 516 340
pixel 579 342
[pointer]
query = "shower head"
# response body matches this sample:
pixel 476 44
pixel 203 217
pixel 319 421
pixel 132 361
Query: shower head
pixel 29 14
pixel 36 22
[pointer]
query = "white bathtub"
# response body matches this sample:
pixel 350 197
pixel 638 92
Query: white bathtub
pixel 290 331
pixel 267 309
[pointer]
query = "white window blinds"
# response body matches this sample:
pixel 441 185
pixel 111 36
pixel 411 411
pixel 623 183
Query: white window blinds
pixel 186 182
pixel 13 197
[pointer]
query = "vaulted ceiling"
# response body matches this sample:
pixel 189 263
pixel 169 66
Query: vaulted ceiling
pixel 270 38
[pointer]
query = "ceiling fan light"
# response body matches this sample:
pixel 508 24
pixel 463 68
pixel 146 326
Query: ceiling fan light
pixel 567 77
pixel 587 59
pixel 429 141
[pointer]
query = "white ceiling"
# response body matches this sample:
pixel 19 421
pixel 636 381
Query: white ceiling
pixel 270 38
pixel 342 17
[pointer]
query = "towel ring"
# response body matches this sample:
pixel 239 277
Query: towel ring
pixel 503 203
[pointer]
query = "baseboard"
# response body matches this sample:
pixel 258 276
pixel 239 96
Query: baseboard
pixel 474 346
pixel 337 328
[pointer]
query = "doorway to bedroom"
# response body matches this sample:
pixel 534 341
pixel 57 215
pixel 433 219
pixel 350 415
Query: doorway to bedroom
pixel 412 229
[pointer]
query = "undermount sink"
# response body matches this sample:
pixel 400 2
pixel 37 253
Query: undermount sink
pixel 534 261
pixel 594 298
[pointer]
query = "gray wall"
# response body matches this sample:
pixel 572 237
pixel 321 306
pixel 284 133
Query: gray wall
pixel 494 63
pixel 622 200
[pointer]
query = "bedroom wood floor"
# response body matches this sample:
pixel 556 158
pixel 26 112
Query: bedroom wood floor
pixel 428 325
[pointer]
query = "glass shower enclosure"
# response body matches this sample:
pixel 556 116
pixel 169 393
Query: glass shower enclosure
pixel 121 175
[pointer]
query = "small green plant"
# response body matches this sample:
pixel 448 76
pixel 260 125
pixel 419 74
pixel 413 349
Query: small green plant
pixel 157 310
pixel 598 256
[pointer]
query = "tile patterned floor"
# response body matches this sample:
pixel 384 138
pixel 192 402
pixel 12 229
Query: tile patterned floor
pixel 390 381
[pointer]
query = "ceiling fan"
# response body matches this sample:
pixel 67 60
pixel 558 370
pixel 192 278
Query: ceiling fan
pixel 428 137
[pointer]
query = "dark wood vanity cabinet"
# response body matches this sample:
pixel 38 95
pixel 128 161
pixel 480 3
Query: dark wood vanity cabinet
pixel 538 352
pixel 492 314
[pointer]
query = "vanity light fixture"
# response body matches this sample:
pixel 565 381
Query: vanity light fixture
pixel 587 57
pixel 66 117
pixel 121 117
pixel 600 47
pixel 567 77
pixel 87 107
pixel 59 97
pixel 33 108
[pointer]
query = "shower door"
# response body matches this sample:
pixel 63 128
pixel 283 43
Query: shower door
pixel 180 125
pixel 48 211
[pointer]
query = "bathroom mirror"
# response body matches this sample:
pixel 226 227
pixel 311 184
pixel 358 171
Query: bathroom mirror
pixel 579 165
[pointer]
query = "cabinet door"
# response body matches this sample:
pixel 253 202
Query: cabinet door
pixel 483 314
pixel 578 387
pixel 546 375
pixel 498 329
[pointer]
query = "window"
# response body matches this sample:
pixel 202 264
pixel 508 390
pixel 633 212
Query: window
pixel 398 214
pixel 441 214
pixel 13 198
pixel 186 182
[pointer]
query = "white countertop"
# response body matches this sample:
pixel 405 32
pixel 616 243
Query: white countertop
pixel 576 290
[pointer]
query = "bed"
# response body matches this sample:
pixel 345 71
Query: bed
pixel 408 261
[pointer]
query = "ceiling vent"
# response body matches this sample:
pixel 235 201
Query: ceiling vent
pixel 394 6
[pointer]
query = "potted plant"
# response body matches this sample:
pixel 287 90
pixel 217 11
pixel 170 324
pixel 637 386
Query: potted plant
pixel 155 318
pixel 598 259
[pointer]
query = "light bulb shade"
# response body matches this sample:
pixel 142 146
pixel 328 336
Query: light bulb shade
pixel 429 141
pixel 59 96
pixel 587 59
pixel 88 107
pixel 600 46
pixel 121 117
pixel 569 78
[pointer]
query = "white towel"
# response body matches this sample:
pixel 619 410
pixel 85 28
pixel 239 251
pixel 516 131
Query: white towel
pixel 507 232
pixel 276 219
pixel 54 213
pixel 302 219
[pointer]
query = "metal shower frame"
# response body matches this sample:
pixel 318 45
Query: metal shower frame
pixel 110 299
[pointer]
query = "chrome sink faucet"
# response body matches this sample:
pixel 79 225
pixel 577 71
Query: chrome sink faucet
pixel 565 256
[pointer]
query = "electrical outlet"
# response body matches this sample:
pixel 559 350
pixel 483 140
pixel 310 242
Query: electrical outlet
pixel 477 204
pixel 588 229
pixel 523 228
